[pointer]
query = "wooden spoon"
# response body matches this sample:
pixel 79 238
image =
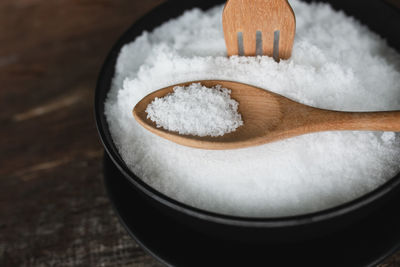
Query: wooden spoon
pixel 269 117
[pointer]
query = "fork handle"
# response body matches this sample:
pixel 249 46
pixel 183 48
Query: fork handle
pixel 246 21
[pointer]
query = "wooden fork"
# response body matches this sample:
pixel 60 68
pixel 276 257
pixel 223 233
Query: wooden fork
pixel 259 27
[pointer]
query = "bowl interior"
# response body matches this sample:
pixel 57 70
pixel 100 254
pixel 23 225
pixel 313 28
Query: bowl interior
pixel 368 14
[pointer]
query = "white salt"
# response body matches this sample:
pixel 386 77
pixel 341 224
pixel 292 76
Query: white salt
pixel 337 63
pixel 196 110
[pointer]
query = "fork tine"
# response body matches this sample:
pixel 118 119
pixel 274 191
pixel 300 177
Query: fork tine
pixel 240 44
pixel 259 44
pixel 276 45
pixel 249 41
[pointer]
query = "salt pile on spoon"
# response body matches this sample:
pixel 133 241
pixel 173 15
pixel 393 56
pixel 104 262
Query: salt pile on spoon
pixel 196 110
pixel 336 64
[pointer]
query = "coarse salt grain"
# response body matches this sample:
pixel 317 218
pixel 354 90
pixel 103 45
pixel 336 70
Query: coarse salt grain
pixel 196 110
pixel 337 63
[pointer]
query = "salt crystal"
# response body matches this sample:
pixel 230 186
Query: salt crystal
pixel 294 176
pixel 196 110
pixel 388 137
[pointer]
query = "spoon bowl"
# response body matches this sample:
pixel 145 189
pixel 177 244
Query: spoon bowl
pixel 268 117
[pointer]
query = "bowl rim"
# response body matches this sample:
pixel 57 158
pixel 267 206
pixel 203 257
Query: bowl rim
pixel 104 84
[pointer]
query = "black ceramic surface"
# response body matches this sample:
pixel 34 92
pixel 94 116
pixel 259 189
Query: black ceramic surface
pixel 374 13
pixel 175 244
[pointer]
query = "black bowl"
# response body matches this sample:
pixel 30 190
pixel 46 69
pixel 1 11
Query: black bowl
pixel 377 15
pixel 174 244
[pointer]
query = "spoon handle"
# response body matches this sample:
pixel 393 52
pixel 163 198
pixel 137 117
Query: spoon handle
pixel 367 121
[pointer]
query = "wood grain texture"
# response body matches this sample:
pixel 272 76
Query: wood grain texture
pixel 53 207
pixel 268 117
pixel 266 16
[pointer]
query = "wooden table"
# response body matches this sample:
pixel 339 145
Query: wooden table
pixel 53 207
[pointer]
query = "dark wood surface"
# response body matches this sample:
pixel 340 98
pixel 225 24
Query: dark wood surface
pixel 53 207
